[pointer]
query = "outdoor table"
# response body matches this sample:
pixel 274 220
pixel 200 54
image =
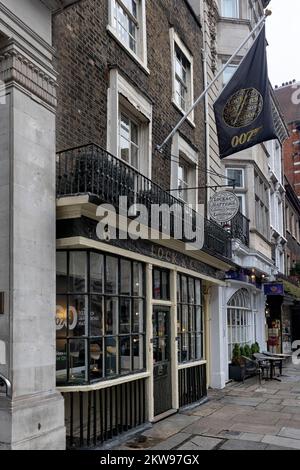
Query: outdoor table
pixel 271 359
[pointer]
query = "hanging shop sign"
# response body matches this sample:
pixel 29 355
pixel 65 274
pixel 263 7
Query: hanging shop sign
pixel 274 289
pixel 223 206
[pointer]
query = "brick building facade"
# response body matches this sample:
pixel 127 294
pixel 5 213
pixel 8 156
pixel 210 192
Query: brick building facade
pixel 86 54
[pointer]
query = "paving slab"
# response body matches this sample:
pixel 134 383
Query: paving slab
pixel 293 433
pixel 242 401
pixel 282 442
pixel 255 428
pixel 205 424
pixel 170 426
pixel 243 445
pixel 201 443
pixel 172 442
pixel 269 407
pixel 248 436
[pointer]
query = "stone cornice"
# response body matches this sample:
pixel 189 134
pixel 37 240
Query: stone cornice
pixel 18 22
pixel 15 67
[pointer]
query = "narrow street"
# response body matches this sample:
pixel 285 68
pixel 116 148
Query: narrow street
pixel 241 417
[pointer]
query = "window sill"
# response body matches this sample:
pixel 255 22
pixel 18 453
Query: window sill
pixel 136 58
pixel 189 365
pixel 189 119
pixel 103 383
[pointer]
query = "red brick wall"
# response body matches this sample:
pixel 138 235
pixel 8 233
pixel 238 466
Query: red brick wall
pixel 292 157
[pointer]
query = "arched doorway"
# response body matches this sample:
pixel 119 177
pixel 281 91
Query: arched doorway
pixel 240 320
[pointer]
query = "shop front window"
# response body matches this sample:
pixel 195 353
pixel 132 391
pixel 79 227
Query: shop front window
pixel 189 319
pixel 240 321
pixel 100 327
pixel 161 284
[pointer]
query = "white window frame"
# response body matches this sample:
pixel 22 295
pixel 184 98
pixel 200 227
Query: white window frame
pixel 231 66
pixel 237 3
pixel 181 149
pixel 236 169
pixel 141 55
pixel 176 41
pixel 122 95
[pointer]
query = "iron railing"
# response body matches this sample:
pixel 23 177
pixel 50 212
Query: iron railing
pixel 91 170
pixel 95 417
pixel 192 385
pixel 239 228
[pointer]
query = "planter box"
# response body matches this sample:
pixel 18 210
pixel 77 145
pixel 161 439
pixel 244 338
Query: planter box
pixel 237 373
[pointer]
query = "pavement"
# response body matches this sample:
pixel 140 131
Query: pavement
pixel 245 416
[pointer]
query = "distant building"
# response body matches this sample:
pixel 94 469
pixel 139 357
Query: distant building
pixel 288 96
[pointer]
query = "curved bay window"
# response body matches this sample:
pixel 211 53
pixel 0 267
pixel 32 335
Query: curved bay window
pixel 189 319
pixel 240 321
pixel 100 325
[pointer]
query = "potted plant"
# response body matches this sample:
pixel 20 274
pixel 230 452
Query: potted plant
pixel 255 348
pixel 237 366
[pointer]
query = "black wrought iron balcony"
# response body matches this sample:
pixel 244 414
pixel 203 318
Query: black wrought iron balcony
pixel 91 170
pixel 239 228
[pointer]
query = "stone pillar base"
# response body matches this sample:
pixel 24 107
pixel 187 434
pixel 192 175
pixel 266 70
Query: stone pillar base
pixel 33 423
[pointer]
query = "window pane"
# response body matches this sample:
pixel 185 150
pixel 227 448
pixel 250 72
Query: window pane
pixel 178 289
pixel 78 272
pixel 134 156
pixel 111 275
pixel 77 361
pixel 78 315
pixel 125 277
pixel 61 316
pixel 138 316
pixel 138 282
pixel 191 290
pixel 61 272
pixel 199 321
pixel 111 316
pixel 198 292
pixel 96 272
pixel 156 284
pixel 185 317
pixel 236 176
pixel 184 347
pixel 184 292
pixel 192 324
pixel 125 355
pixel 61 361
pixel 134 133
pixel 165 285
pixel 96 316
pixel 96 355
pixel 125 149
pixel 110 357
pixel 125 316
pixel 138 353
pixel 199 347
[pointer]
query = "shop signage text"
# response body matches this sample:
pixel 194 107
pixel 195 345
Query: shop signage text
pixel 224 206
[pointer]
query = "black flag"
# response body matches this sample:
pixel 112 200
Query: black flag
pixel 243 110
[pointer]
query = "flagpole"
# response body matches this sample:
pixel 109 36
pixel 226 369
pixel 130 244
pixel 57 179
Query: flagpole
pixel 262 21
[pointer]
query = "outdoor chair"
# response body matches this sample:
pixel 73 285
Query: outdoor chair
pixel 252 367
pixel 263 364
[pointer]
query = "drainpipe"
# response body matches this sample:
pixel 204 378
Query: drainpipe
pixel 206 120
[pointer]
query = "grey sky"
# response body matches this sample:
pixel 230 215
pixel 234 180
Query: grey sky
pixel 283 34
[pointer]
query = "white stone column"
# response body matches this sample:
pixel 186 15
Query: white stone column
pixel 218 353
pixel 32 417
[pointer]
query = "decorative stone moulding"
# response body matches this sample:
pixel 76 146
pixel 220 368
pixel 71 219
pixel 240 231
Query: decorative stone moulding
pixel 16 67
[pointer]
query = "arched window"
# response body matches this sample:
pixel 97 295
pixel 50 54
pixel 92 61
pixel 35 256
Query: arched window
pixel 240 320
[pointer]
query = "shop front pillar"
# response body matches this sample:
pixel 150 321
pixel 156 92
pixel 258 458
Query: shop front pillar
pixel 218 350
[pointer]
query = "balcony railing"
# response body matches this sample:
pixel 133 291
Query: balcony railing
pixel 91 170
pixel 239 228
